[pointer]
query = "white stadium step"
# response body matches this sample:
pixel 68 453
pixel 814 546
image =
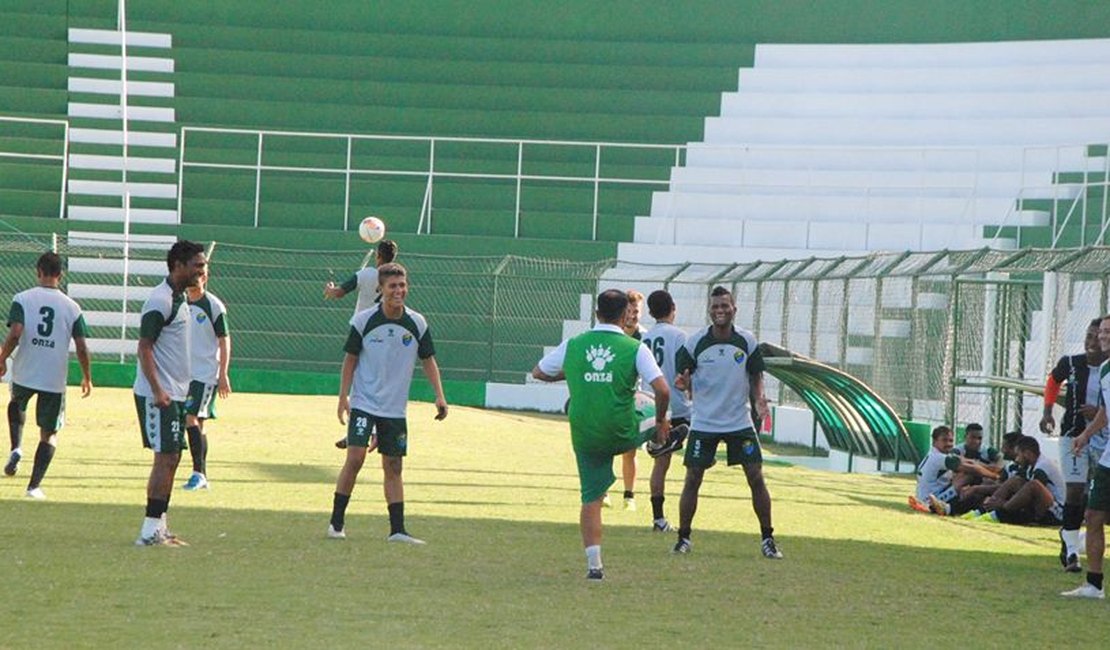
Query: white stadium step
pixel 115 240
pixel 115 37
pixel 115 112
pixel 113 346
pixel 1014 104
pixel 114 188
pixel 112 318
pixel 114 62
pixel 115 163
pixel 138 215
pixel 954 55
pixel 155 268
pixel 111 136
pixel 77 291
pixel 115 87
pixel 922 81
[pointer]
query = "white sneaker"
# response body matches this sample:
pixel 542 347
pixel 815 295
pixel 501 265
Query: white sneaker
pixel 156 539
pixel 36 493
pixel 1086 590
pixel 606 502
pixel 196 482
pixel 630 505
pixel 336 534
pixel 405 538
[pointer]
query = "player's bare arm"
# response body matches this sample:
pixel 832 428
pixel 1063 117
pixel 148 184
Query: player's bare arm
pixel 346 378
pixel 82 349
pixel 662 403
pixel 332 291
pixel 10 344
pixel 431 371
pixel 542 376
pixel 223 383
pixel 1094 426
pixel 757 395
pixel 150 371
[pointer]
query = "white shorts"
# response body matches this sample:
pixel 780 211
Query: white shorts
pixel 1076 469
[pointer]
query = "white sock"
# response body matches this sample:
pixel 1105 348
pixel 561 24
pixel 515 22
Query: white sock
pixel 18 451
pixel 593 556
pixel 1081 542
pixel 1071 540
pixel 150 526
pixel 162 525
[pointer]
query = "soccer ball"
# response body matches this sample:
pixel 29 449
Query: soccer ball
pixel 372 229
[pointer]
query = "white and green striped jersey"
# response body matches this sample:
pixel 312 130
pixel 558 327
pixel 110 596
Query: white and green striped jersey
pixel 664 341
pixel 1047 471
pixel 387 351
pixel 50 319
pixel 366 281
pixel 208 327
pixel 721 372
pixel 165 321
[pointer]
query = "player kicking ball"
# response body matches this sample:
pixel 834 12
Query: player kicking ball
pixel 382 347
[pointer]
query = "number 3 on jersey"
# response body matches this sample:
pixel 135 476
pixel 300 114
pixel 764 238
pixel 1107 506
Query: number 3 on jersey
pixel 46 327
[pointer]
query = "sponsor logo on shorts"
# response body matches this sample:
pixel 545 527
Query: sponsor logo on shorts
pixel 748 448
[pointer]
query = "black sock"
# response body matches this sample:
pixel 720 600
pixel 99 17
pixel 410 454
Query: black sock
pixel 198 448
pixel 657 507
pixel 397 517
pixel 1073 516
pixel 15 424
pixel 155 508
pixel 684 533
pixel 43 455
pixel 338 509
pixel 1095 579
pixel 629 495
pixel 767 533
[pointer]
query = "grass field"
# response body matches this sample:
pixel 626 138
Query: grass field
pixel 495 495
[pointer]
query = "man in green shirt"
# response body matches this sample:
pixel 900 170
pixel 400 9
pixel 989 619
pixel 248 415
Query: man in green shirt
pixel 601 368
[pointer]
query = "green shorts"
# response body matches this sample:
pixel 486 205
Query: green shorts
pixel 393 433
pixel 50 408
pixel 1099 498
pixel 743 448
pixel 595 467
pixel 163 429
pixel 201 401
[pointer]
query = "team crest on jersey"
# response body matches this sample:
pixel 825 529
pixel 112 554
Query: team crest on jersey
pixel 599 358
pixel 201 317
pixel 739 356
pixel 406 339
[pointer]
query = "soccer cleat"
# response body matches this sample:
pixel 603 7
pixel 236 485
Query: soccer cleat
pixel 13 463
pixel 770 550
pixel 606 502
pixel 595 575
pixel 682 546
pixel 1086 590
pixel 661 526
pixel 196 482
pixel 1071 564
pixel 673 443
pixel 988 517
pixel 939 507
pixel 336 534
pixel 971 514
pixel 630 505
pixel 917 505
pixel 405 538
pixel 156 539
pixel 36 494
pixel 341 443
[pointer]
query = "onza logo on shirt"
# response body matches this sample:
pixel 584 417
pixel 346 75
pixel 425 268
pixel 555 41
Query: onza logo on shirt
pixel 599 357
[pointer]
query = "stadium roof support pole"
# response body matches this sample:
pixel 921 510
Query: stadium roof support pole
pixel 519 178
pixel 258 179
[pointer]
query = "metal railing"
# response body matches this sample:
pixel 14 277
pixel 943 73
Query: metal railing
pixel 433 170
pixel 62 158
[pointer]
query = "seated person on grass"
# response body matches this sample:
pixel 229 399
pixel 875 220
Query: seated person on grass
pixel 1040 500
pixel 934 473
pixel 1011 476
pixel 983 460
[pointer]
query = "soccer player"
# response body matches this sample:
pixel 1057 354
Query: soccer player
pixel 631 326
pixel 210 346
pixel 602 367
pixel 382 347
pixel 365 281
pixel 42 320
pixel 1098 500
pixel 934 472
pixel 664 340
pixel 1041 499
pixel 724 368
pixel 1079 374
pixel 977 464
pixel 1010 479
pixel 162 383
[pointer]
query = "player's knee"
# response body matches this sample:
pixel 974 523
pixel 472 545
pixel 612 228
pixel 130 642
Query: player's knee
pixel 392 465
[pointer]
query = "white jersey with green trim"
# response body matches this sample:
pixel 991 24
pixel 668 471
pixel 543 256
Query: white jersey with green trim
pixel 1104 402
pixel 367 288
pixel 208 327
pixel 165 320
pixel 664 341
pixel 387 351
pixel 721 372
pixel 1047 471
pixel 934 473
pixel 50 319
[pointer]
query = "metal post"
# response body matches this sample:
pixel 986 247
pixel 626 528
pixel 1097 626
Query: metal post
pixel 181 173
pixel 258 179
pixel 597 188
pixel 519 175
pixel 347 188
pixel 950 351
